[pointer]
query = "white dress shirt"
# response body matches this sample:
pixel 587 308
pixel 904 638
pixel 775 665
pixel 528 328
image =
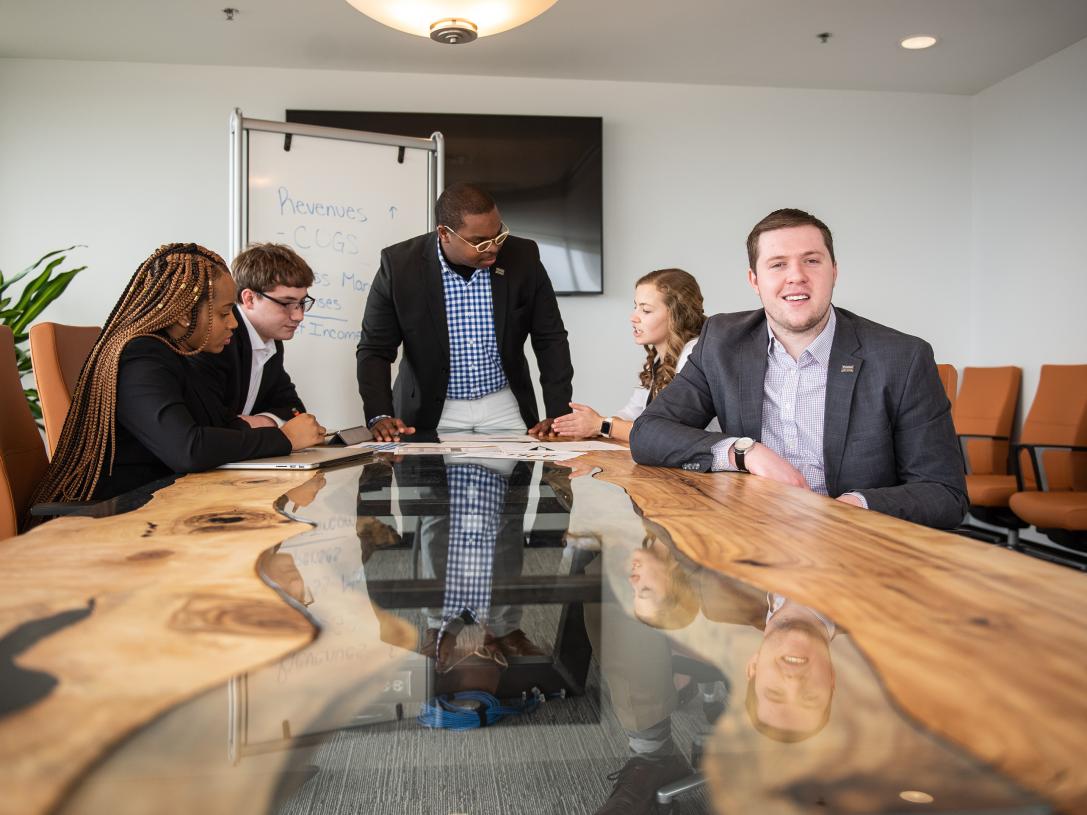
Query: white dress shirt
pixel 262 352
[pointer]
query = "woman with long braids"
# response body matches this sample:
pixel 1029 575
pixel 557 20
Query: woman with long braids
pixel 140 410
pixel 666 320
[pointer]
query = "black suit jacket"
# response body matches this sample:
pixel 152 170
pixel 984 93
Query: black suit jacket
pixel 406 305
pixel 169 421
pixel 228 375
pixel 887 430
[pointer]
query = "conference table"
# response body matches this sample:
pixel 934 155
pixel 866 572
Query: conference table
pixel 257 641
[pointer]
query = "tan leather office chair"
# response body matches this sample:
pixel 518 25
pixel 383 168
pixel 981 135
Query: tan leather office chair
pixel 949 378
pixel 22 454
pixel 1053 457
pixel 984 414
pixel 58 353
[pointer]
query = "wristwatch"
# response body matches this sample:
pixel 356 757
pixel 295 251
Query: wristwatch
pixel 741 447
pixel 605 427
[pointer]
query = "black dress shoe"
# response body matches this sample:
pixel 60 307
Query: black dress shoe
pixel 636 784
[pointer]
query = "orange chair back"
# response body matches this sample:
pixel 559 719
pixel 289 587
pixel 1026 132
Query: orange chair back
pixel 1058 415
pixel 22 454
pixel 58 353
pixel 949 378
pixel 986 407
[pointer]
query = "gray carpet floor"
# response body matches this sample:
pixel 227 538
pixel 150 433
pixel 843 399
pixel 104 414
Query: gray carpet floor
pixel 554 760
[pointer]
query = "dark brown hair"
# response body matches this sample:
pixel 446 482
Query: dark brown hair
pixel 174 283
pixel 683 299
pixel 263 266
pixel 459 200
pixel 785 219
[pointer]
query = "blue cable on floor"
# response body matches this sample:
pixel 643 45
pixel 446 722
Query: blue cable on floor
pixel 445 712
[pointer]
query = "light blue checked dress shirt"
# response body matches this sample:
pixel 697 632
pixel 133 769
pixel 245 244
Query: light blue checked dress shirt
pixel 794 395
pixel 476 498
pixel 475 367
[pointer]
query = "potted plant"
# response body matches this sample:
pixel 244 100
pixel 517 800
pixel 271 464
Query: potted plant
pixel 47 285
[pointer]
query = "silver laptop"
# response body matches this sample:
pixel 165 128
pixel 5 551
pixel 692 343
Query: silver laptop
pixel 308 458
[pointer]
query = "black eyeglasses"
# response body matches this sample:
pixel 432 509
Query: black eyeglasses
pixel 306 303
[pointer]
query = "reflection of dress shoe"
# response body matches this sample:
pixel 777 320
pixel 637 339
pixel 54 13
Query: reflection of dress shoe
pixel 429 648
pixel 514 644
pixel 374 535
pixel 636 784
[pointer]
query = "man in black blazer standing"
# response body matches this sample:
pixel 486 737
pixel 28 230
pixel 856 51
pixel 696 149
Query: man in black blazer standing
pixel 811 395
pixel 273 296
pixel 462 301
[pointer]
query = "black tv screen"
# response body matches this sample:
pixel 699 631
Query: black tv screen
pixel 545 172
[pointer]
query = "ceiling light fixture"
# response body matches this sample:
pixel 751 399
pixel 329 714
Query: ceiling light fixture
pixel 918 42
pixel 916 797
pixel 453 22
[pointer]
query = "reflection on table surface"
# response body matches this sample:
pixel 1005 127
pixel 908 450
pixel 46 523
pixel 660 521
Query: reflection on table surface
pixel 433 577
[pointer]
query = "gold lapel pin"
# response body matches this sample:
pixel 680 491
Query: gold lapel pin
pixel 498 270
pixel 847 369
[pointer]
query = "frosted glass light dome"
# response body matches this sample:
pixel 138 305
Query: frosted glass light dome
pixel 452 21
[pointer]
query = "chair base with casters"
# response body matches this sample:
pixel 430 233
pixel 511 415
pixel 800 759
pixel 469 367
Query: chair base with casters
pixel 707 678
pixel 995 516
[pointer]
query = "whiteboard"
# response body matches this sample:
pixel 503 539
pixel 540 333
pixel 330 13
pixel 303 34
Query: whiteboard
pixel 337 203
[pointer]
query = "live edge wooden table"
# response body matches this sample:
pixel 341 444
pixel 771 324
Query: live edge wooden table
pixel 112 623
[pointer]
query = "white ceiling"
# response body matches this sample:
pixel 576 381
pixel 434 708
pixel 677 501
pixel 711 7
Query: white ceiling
pixel 729 42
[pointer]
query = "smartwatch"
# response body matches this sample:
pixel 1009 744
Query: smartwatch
pixel 605 427
pixel 741 447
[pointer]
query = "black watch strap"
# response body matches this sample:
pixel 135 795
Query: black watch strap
pixel 740 448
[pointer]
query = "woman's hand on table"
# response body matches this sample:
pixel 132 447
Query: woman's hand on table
pixel 582 423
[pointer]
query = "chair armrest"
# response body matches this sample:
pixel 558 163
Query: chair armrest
pixel 964 437
pixel 1039 473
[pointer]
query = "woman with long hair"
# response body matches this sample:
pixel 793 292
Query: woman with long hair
pixel 666 321
pixel 140 410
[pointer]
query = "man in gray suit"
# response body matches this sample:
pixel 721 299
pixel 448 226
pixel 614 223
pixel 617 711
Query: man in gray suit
pixel 811 395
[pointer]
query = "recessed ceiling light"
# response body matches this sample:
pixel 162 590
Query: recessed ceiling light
pixel 916 797
pixel 918 42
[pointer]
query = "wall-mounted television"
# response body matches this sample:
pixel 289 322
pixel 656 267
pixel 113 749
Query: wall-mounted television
pixel 546 172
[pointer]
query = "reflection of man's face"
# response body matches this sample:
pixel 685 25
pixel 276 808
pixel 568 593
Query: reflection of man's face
pixel 792 672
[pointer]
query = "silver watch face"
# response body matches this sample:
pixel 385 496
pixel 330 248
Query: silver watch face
pixel 744 444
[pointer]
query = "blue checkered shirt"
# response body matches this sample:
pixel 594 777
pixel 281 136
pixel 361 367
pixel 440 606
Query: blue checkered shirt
pixel 794 395
pixel 476 498
pixel 475 368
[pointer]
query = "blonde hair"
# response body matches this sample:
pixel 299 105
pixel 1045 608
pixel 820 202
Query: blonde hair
pixel 174 283
pixel 683 299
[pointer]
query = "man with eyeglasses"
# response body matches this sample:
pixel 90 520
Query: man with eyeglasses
pixel 272 282
pixel 462 301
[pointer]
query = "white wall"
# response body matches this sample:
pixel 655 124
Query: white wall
pixel 124 157
pixel 1029 278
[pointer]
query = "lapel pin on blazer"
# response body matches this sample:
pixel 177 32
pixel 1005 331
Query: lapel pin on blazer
pixel 498 270
pixel 847 369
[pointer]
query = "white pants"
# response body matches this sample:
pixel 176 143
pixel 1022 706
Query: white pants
pixel 493 413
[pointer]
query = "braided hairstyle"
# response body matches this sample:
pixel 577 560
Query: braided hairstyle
pixel 683 299
pixel 170 287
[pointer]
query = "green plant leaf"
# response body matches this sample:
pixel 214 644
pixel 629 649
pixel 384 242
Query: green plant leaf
pixel 31 288
pixel 22 360
pixel 5 284
pixel 46 294
pixel 35 405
